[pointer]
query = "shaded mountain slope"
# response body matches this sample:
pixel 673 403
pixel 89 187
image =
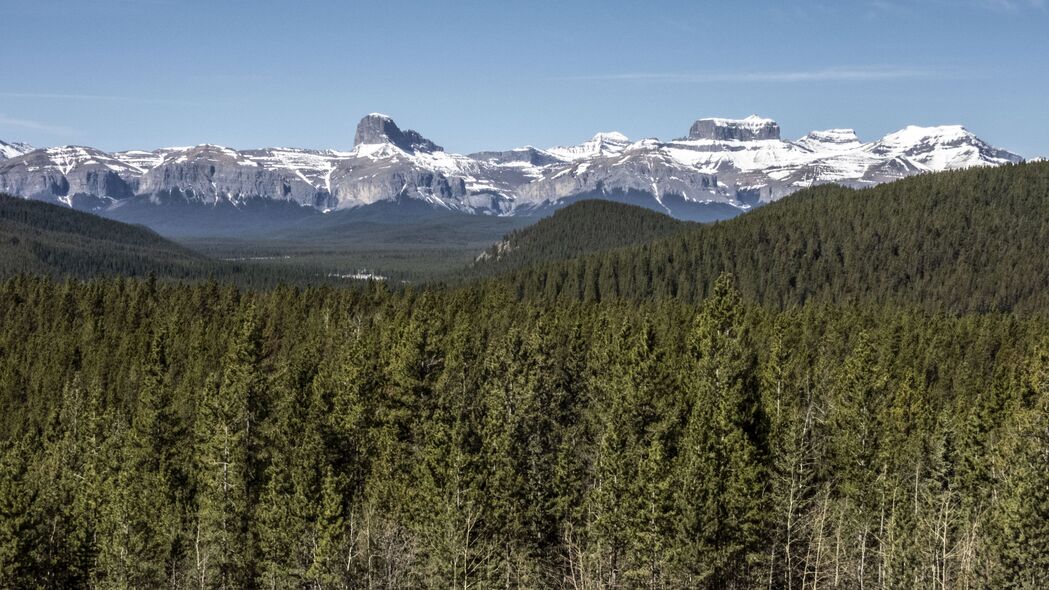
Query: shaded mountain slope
pixel 41 238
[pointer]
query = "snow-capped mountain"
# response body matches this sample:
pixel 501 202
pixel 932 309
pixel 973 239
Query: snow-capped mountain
pixel 725 164
pixel 13 150
pixel 602 144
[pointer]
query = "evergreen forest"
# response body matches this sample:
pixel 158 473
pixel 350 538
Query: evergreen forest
pixel 842 389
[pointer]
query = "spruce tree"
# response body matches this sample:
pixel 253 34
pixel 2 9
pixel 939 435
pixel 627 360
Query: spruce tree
pixel 223 552
pixel 1022 514
pixel 140 524
pixel 719 472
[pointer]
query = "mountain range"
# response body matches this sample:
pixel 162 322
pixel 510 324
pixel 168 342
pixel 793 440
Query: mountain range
pixel 720 168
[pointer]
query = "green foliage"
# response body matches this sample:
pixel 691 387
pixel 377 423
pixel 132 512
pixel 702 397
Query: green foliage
pixel 164 435
pixel 720 464
pixel 957 241
pixel 48 239
pixel 580 228
pixel 611 435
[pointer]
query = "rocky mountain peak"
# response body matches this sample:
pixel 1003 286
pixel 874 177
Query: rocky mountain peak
pixel 377 128
pixel 830 139
pixel 833 136
pixel 13 150
pixel 728 166
pixel 611 137
pixel 749 129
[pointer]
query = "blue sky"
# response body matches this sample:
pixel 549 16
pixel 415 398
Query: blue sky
pixel 121 74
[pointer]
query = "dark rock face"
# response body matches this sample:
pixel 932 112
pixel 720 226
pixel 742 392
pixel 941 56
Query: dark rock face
pixel 645 170
pixel 749 129
pixel 376 128
pixel 57 174
pixel 528 155
pixel 213 173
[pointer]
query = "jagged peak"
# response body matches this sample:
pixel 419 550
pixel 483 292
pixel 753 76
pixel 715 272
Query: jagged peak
pixel 830 140
pixel 914 136
pixel 942 147
pixel 377 128
pixel 605 142
pixel 13 149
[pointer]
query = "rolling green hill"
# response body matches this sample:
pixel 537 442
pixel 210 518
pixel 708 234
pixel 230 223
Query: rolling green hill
pixel 581 228
pixel 971 240
pixel 37 237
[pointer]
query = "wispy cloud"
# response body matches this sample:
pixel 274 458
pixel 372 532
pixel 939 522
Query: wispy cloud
pixel 841 74
pixel 902 8
pixel 64 96
pixel 6 121
pixel 1011 5
pixel 91 97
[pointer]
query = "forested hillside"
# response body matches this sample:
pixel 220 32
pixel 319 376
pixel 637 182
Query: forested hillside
pixel 157 435
pixel 971 240
pixel 47 239
pixel 856 409
pixel 580 228
pixel 42 239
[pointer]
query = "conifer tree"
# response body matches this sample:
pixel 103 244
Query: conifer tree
pixel 629 501
pixel 719 498
pixel 1022 515
pixel 223 552
pixel 19 530
pixel 140 522
pixel 512 440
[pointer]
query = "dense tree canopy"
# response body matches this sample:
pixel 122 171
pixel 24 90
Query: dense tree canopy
pixel 157 435
pixel 860 406
pixel 961 241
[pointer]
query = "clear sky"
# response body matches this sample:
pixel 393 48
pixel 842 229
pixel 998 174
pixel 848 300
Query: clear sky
pixel 493 74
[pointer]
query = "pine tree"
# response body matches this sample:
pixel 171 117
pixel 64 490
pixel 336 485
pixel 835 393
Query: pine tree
pixel 19 530
pixel 140 525
pixel 223 551
pixel 288 511
pixel 629 501
pixel 853 430
pixel 66 488
pixel 512 441
pixel 1022 514
pixel 719 500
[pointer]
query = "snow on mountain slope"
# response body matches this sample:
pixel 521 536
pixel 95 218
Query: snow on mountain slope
pixel 13 150
pixel 745 162
pixel 63 173
pixel 948 147
pixel 830 140
pixel 210 174
pixel 387 163
pixel 65 159
pixel 602 144
pixel 311 166
pixel 729 163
